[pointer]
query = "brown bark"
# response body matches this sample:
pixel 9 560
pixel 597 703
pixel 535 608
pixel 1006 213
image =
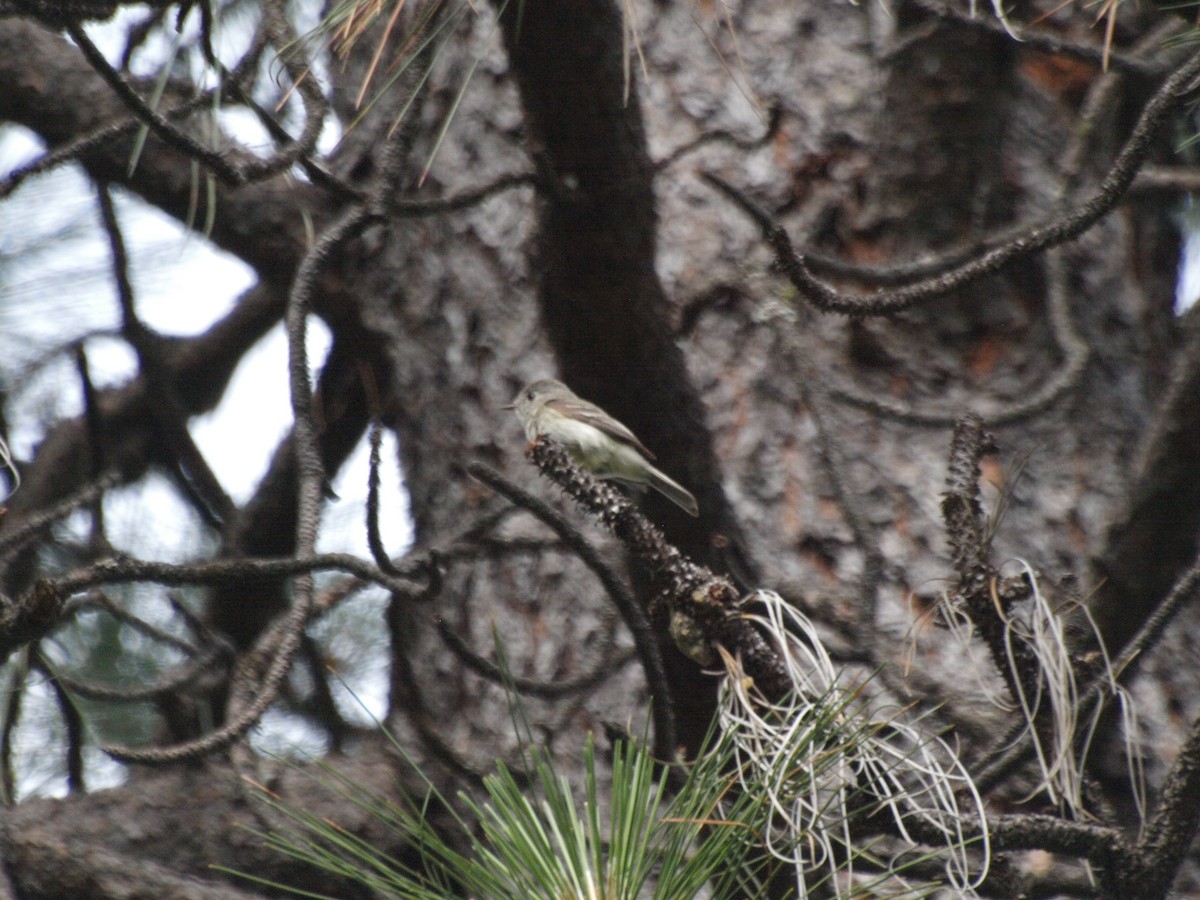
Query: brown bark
pixel 653 295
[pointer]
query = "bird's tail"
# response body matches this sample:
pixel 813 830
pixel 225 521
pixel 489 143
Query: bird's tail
pixel 674 492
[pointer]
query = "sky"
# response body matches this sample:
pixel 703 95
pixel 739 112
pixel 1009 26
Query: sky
pixel 56 286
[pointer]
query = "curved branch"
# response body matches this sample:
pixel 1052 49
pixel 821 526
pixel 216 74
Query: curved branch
pixel 721 136
pixel 280 643
pixel 606 667
pixel 199 369
pixel 231 172
pixel 1056 230
pixel 40 610
pixel 47 86
pixel 627 605
pixel 1049 391
pixel 158 123
pixel 1045 42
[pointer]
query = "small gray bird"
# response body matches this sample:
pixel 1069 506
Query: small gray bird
pixel 595 440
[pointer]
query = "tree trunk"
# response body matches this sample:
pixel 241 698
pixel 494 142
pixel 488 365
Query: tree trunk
pixel 816 442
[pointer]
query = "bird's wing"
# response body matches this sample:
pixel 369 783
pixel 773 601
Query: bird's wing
pixel 600 420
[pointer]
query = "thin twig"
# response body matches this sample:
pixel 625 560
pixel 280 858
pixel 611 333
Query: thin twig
pixel 281 642
pixel 34 525
pixel 85 143
pixel 406 209
pixel 721 136
pixel 409 699
pixel 1048 233
pixel 325 707
pixel 1175 179
pixel 196 477
pixel 282 37
pixel 96 443
pixel 605 667
pixel 1048 43
pixel 101 601
pixel 72 722
pixel 18 681
pixel 170 135
pixel 222 571
pixel 374 539
pixel 627 605
pixel 1076 355
pixel 183 676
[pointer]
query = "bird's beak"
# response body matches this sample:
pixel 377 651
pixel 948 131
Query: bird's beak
pixel 509 406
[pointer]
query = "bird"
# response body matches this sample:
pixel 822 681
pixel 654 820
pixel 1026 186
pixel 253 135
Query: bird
pixel 594 439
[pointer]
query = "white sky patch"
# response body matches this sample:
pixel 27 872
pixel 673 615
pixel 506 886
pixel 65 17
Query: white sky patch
pixel 56 286
pixel 17 147
pixel 1187 290
pixel 345 518
pixel 154 499
pixel 240 435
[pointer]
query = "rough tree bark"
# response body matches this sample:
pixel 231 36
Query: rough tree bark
pixel 815 442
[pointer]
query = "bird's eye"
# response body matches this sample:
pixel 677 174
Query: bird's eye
pixel 529 395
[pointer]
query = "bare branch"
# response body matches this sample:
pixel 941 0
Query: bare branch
pixel 72 721
pixel 406 209
pixel 408 698
pixel 970 550
pixel 85 143
pixel 33 526
pixel 1056 230
pixel 1172 830
pixel 707 601
pixel 374 540
pixel 196 477
pixel 774 120
pixel 607 665
pixel 1044 41
pixel 15 695
pixel 217 571
pixel 627 605
pixel 281 642
pixel 228 172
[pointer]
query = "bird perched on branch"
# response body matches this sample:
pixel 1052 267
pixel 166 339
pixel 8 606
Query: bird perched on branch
pixel 595 440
